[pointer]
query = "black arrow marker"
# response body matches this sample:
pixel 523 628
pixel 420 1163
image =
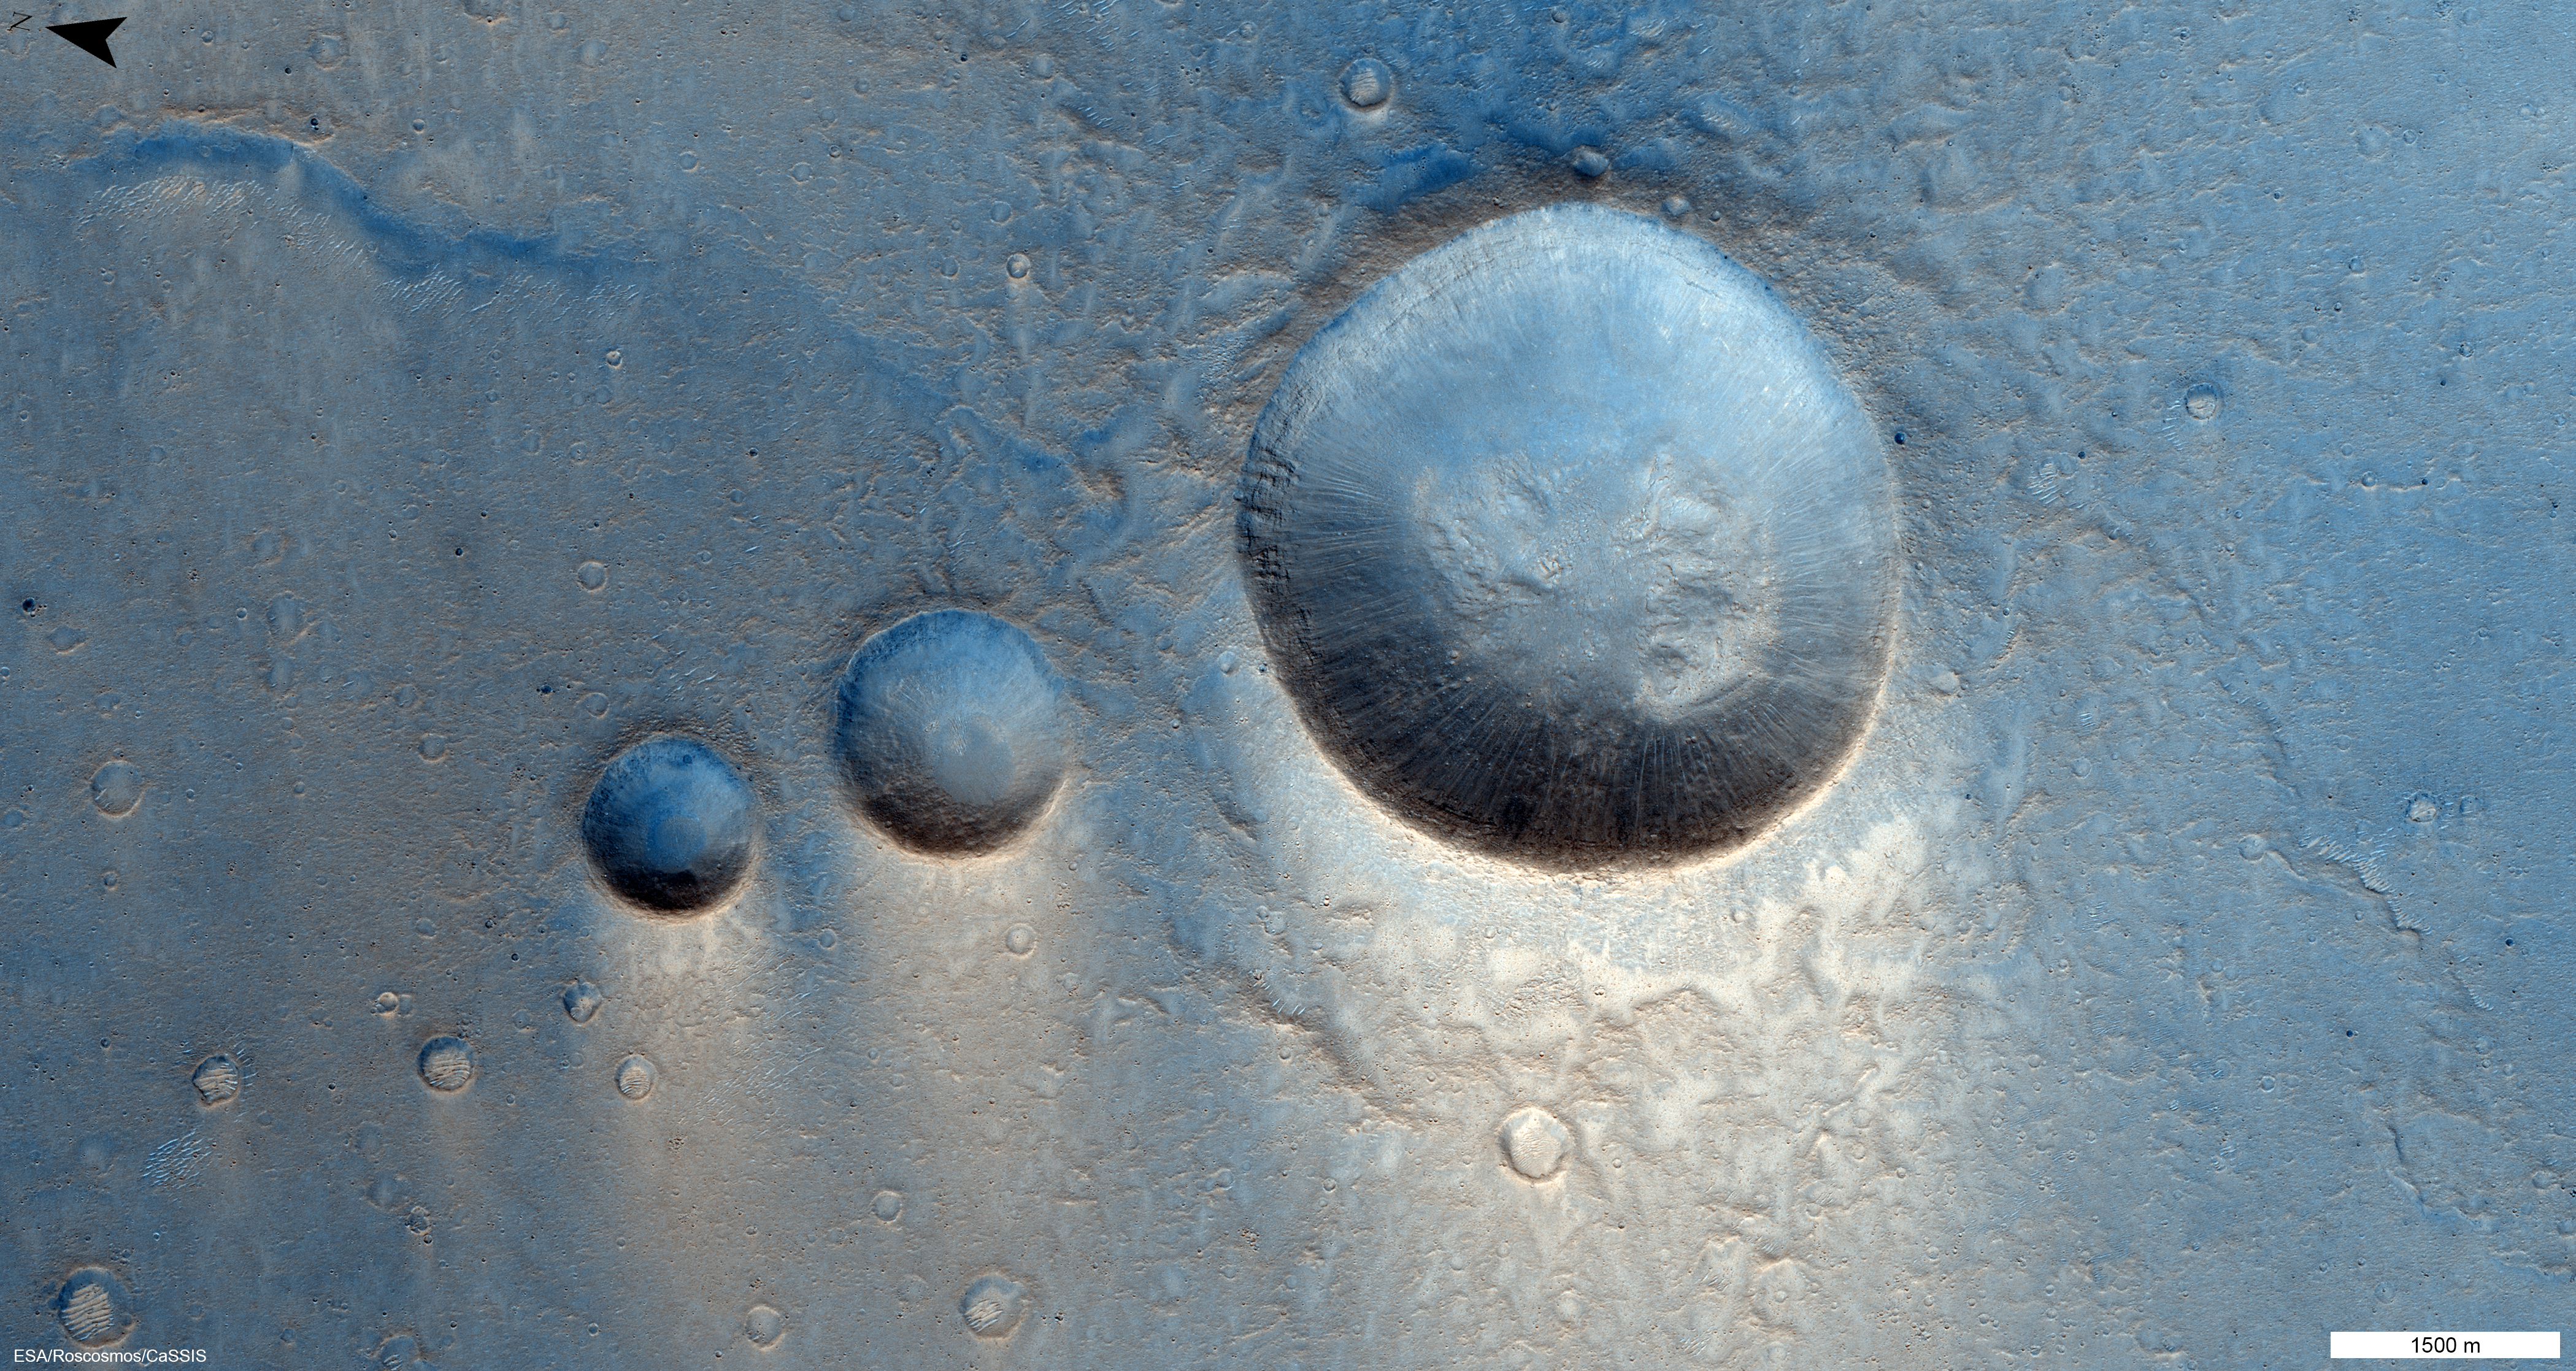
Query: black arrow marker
pixel 90 36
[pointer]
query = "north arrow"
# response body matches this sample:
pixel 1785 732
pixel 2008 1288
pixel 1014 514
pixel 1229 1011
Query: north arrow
pixel 90 36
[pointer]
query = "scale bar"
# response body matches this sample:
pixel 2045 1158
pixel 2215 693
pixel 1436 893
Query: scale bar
pixel 2445 1346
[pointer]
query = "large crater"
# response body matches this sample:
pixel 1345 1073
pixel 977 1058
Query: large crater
pixel 1571 545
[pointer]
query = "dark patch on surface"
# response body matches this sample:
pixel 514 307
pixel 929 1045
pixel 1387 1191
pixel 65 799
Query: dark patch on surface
pixel 1415 173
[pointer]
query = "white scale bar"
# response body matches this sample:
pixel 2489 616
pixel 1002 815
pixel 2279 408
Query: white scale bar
pixel 2412 1346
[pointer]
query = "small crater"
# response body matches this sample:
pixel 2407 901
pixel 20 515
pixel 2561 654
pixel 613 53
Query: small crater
pixel 1535 1143
pixel 1019 940
pixel 2201 402
pixel 581 1000
pixel 992 1306
pixel 286 618
pixel 670 826
pixel 950 732
pixel 93 1307
pixel 218 1079
pixel 889 1205
pixel 116 789
pixel 1367 83
pixel 446 1063
pixel 763 1325
pixel 635 1077
pixel 591 575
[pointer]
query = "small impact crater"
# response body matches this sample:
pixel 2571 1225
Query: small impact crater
pixel 670 826
pixel 94 1307
pixel 1367 83
pixel 1535 1143
pixel 951 732
pixel 992 1306
pixel 446 1064
pixel 116 789
pixel 218 1079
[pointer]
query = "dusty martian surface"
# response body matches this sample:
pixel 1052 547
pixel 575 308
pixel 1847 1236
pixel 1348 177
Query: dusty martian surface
pixel 1168 683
